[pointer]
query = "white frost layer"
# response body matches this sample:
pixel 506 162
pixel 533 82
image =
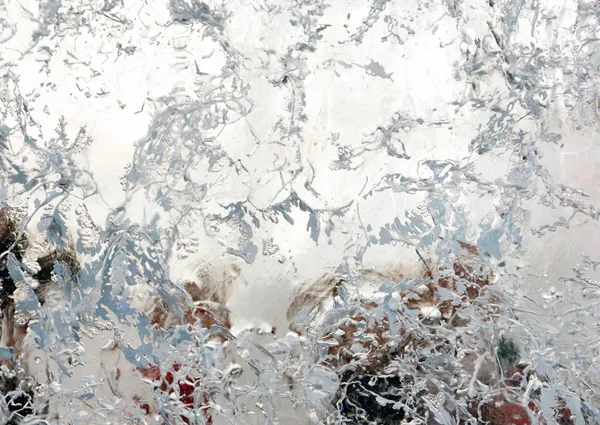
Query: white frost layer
pixel 350 91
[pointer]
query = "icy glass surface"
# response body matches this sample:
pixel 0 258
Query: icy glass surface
pixel 299 212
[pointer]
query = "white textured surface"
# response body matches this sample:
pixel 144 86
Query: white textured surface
pixel 331 103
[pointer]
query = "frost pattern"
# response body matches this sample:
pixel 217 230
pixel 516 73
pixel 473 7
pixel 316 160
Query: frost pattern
pixel 309 212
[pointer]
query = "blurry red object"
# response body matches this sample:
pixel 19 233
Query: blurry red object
pixel 500 412
pixel 184 390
